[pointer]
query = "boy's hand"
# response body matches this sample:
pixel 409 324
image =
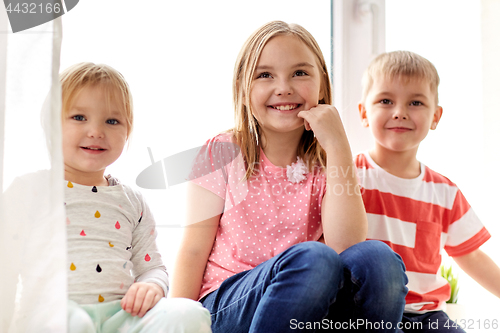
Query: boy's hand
pixel 140 297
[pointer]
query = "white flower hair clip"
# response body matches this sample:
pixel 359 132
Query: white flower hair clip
pixel 297 171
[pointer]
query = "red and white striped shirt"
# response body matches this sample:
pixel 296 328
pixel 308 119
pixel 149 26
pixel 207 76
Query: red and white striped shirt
pixel 418 218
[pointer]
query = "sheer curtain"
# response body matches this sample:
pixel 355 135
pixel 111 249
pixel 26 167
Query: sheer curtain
pixel 32 219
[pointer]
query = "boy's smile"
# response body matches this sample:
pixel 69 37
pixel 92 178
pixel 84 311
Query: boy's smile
pixel 94 134
pixel 400 112
pixel 287 80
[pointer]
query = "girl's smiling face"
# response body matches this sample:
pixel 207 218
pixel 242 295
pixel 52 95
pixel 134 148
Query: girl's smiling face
pixel 94 133
pixel 287 80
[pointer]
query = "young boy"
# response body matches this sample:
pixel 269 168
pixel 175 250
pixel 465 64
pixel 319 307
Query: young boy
pixel 413 209
pixel 116 279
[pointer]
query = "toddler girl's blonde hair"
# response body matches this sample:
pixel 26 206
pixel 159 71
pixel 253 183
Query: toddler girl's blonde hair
pixel 402 65
pixel 247 132
pixel 86 74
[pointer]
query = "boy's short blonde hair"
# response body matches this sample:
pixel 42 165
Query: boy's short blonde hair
pixel 75 78
pixel 404 65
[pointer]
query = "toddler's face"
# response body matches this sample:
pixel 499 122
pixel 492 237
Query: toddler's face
pixel 94 133
pixel 400 112
pixel 287 80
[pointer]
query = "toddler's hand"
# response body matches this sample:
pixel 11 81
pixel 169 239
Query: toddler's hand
pixel 140 297
pixel 324 120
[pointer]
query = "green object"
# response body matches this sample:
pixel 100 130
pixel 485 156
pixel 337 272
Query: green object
pixel 452 279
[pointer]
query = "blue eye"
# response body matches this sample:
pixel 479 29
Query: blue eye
pixel 78 117
pixel 264 75
pixel 300 73
pixel 112 122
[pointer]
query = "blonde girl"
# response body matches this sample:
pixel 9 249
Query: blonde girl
pixel 116 278
pixel 276 237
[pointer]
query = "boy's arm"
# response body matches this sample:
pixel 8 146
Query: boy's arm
pixel 481 268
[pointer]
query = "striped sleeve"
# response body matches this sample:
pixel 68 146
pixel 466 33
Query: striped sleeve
pixel 465 233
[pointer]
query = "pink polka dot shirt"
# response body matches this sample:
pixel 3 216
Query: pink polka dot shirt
pixel 262 217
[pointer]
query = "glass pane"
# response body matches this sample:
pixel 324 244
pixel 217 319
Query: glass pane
pixel 178 57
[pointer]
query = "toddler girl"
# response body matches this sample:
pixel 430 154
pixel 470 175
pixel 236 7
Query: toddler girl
pixel 116 279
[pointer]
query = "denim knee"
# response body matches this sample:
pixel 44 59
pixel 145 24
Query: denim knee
pixel 385 261
pixel 319 264
pixel 316 255
pixel 376 264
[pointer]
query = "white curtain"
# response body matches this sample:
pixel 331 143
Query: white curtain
pixel 32 218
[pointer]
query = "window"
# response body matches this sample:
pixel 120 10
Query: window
pixel 178 58
pixel 459 38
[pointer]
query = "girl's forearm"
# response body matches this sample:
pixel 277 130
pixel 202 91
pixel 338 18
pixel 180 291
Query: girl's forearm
pixel 343 213
pixel 197 241
pixel 187 277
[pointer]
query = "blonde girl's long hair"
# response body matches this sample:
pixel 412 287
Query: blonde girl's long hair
pixel 247 131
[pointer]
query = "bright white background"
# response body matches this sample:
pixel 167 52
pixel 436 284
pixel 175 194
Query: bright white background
pixel 178 58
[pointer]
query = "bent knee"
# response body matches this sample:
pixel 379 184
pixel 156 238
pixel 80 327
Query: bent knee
pixel 79 320
pixel 318 263
pixel 382 254
pixel 375 252
pixel 375 259
pixel 184 315
pixel 318 254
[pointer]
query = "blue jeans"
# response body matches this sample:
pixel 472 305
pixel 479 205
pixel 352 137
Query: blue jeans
pixel 310 287
pixel 432 322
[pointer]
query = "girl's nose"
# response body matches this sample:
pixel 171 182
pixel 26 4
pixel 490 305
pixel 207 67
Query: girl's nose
pixel 95 131
pixel 283 87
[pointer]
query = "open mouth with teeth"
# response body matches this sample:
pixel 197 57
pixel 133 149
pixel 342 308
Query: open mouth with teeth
pixel 92 148
pixel 288 107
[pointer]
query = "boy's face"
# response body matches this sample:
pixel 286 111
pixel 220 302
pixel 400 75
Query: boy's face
pixel 94 134
pixel 400 113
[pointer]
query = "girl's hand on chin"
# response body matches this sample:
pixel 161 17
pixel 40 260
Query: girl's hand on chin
pixel 324 120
